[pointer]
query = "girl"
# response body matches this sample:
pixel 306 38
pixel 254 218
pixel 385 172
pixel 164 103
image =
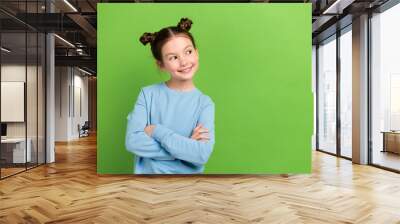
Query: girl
pixel 171 128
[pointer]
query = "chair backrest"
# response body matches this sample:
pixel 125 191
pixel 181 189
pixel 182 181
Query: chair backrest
pixel 86 125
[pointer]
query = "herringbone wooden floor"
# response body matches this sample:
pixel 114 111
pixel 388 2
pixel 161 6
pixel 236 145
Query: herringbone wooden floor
pixel 70 191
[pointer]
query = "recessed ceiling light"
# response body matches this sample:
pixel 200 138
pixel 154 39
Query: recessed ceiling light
pixel 84 71
pixel 64 40
pixel 337 7
pixel 70 5
pixel 5 49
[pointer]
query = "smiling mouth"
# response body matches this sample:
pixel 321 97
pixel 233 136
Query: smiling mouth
pixel 186 70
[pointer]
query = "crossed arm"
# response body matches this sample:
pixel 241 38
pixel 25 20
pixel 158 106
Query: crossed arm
pixel 136 140
pixel 164 143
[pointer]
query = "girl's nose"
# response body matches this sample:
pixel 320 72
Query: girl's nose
pixel 183 62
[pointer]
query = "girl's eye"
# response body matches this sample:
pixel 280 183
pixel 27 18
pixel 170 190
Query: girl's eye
pixel 189 51
pixel 174 57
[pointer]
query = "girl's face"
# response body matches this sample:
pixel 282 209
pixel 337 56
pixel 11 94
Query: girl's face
pixel 180 58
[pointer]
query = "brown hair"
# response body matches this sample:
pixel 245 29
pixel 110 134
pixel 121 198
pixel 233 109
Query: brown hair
pixel 158 39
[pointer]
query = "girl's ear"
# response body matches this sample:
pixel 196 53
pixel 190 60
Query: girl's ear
pixel 159 65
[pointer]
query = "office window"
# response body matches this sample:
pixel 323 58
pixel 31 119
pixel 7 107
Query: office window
pixel 385 88
pixel 346 92
pixel 327 95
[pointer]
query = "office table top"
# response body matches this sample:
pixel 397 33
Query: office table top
pixel 13 140
pixel 391 132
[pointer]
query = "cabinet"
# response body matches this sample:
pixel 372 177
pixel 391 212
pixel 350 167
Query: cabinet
pixel 391 142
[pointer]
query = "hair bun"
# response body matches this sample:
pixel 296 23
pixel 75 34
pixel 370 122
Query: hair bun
pixel 185 24
pixel 147 38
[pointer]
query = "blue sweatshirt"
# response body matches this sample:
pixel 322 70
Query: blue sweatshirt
pixel 170 150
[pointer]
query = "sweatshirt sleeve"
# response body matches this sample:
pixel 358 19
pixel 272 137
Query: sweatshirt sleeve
pixel 137 141
pixel 185 148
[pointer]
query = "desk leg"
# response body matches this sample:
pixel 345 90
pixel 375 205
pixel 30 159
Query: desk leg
pixel 384 143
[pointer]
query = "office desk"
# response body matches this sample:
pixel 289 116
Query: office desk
pixel 391 141
pixel 17 150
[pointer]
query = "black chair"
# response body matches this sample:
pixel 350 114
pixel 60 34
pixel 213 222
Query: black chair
pixel 84 130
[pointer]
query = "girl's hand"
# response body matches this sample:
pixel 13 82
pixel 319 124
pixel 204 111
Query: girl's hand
pixel 200 133
pixel 149 129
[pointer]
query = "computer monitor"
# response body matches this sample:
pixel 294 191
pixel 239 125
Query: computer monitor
pixel 3 129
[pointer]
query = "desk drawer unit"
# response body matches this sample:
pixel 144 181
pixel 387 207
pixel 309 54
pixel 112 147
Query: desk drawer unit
pixel 391 142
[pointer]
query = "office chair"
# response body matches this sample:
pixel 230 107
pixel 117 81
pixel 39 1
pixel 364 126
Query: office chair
pixel 84 130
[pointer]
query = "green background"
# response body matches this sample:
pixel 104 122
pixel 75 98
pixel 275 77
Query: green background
pixel 255 63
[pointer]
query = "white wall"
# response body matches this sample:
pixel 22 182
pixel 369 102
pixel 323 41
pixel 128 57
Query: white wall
pixel 71 93
pixel 14 72
pixel 80 85
pixel 62 81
